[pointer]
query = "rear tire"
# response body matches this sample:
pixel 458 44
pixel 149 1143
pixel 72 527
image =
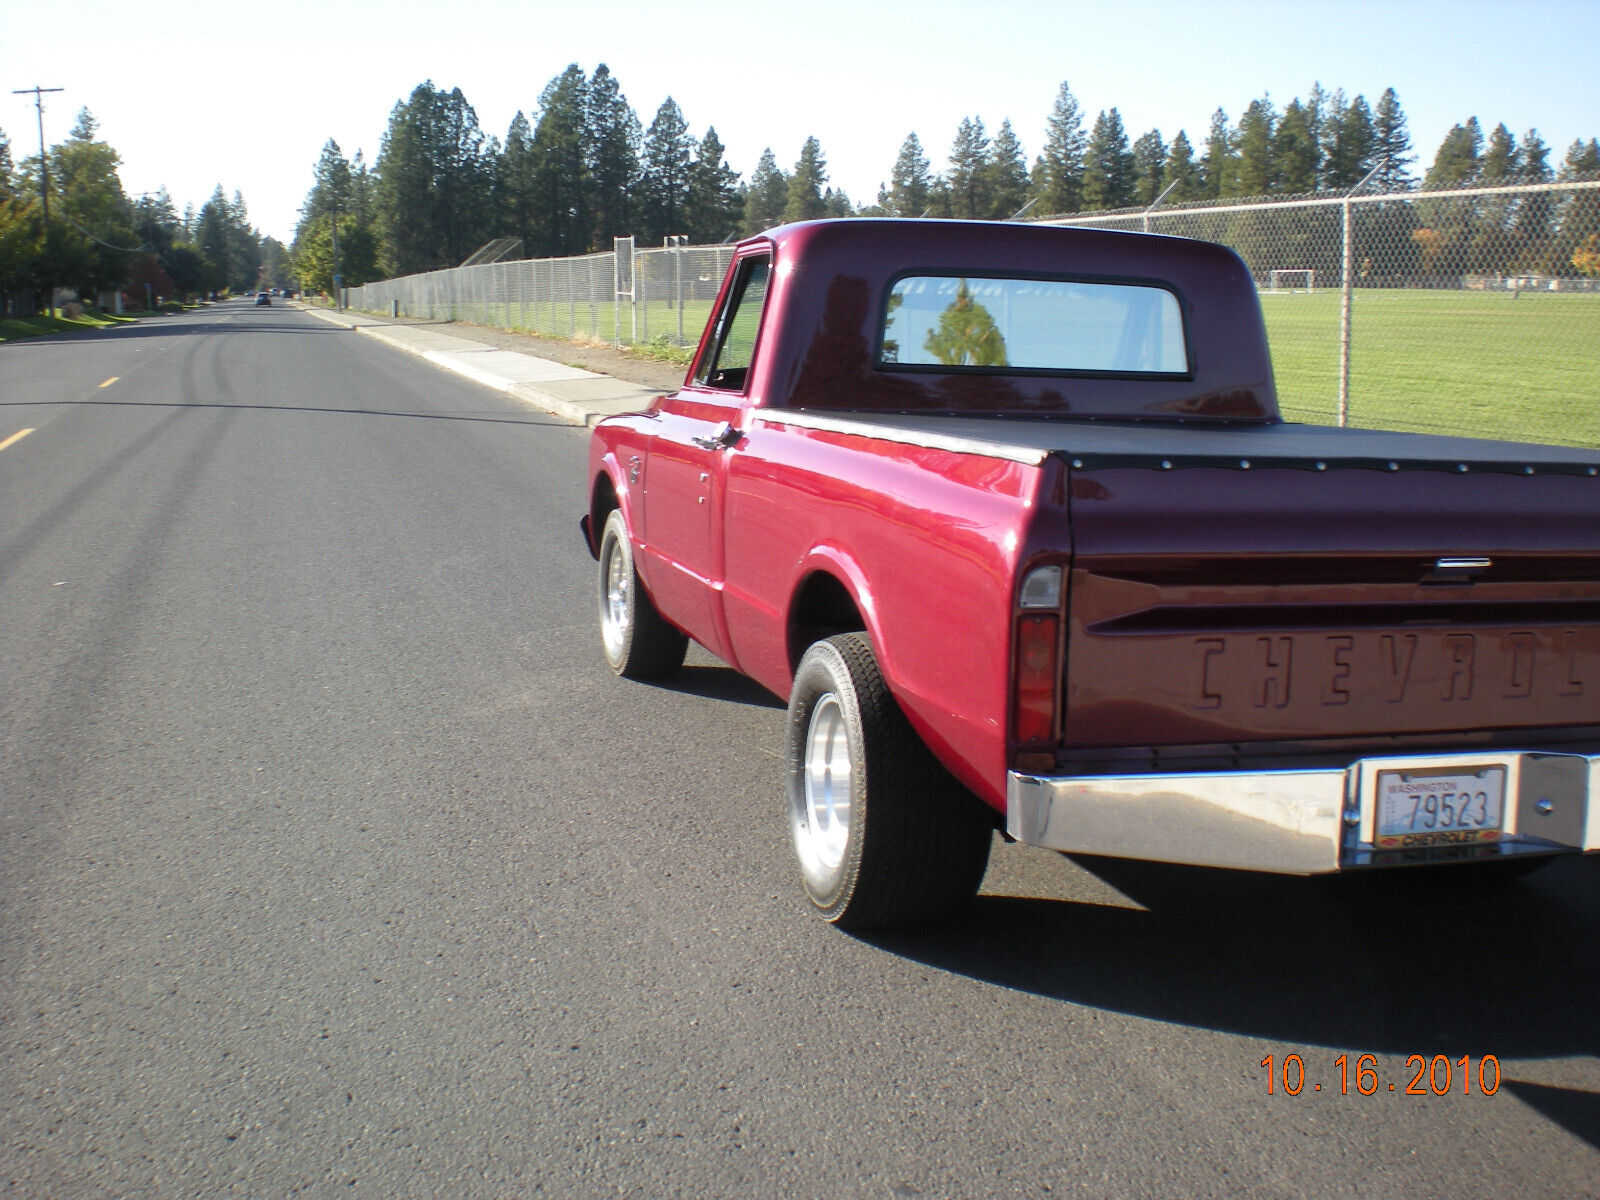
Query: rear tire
pixel 884 835
pixel 638 641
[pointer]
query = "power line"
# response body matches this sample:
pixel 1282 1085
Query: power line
pixel 102 241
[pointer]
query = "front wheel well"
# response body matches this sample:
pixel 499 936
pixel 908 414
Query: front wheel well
pixel 823 607
pixel 602 499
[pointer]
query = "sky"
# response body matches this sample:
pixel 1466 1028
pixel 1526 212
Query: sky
pixel 193 95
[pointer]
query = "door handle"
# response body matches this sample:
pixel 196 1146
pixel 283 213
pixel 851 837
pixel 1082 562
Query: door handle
pixel 725 436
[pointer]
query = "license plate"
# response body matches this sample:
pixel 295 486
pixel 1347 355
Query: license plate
pixel 1435 808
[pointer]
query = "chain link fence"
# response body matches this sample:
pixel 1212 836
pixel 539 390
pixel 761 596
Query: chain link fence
pixel 624 296
pixel 1470 311
pixel 1474 311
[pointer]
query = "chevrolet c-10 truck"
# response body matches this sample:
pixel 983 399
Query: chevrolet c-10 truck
pixel 1010 516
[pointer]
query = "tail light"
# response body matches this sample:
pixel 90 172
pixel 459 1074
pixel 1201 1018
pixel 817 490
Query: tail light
pixel 1038 656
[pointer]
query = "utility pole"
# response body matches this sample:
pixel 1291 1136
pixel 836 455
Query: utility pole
pixel 44 186
pixel 338 298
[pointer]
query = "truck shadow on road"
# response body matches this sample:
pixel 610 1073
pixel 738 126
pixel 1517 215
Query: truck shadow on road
pixel 1388 963
pixel 490 417
pixel 719 683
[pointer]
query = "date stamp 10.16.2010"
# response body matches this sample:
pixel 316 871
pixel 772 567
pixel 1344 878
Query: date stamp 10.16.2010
pixel 1424 1075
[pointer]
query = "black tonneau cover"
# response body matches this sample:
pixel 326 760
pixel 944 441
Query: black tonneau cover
pixel 1171 445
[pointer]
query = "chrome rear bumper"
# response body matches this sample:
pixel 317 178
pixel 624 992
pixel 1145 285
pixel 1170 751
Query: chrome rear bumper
pixel 1294 822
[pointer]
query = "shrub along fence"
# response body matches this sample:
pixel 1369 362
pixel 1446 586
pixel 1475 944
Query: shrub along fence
pixel 1473 311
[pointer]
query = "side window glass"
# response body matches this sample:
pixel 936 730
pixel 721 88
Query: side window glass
pixel 727 362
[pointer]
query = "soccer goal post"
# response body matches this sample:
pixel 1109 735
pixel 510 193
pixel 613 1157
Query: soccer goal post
pixel 1292 279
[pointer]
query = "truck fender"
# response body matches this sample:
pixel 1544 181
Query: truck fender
pixel 610 490
pixel 844 570
pixel 842 567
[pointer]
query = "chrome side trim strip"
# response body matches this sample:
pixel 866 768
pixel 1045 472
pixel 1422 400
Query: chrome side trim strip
pixel 1028 455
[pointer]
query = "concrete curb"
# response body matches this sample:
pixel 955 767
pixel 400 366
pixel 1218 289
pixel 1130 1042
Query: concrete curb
pixel 572 394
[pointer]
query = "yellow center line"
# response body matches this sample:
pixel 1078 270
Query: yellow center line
pixel 110 381
pixel 15 437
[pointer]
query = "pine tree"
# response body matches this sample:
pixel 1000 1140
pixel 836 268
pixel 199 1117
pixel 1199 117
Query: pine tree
pixel 967 177
pixel 213 242
pixel 363 191
pixel 1349 146
pixel 1582 161
pixel 1252 172
pixel 514 182
pixel 1181 171
pixel 1149 167
pixel 1455 163
pixel 1108 176
pixel 156 223
pixel 1502 158
pixel 805 201
pixel 911 182
pixel 1500 163
pixel 613 135
pixel 331 185
pixel 1535 217
pixel 664 174
pixel 1007 171
pixel 967 335
pixel 1321 110
pixel 465 186
pixel 562 188
pixel 1535 159
pixel 1576 245
pixel 1391 144
pixel 435 182
pixel 244 258
pixel 1218 161
pixel 767 195
pixel 1296 158
pixel 7 168
pixel 715 207
pixel 1059 170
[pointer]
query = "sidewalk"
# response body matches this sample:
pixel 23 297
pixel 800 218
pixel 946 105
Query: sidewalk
pixel 577 396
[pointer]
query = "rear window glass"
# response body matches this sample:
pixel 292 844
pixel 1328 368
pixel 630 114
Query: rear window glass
pixel 946 322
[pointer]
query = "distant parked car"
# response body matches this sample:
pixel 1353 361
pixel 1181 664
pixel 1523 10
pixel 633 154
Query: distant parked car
pixel 263 298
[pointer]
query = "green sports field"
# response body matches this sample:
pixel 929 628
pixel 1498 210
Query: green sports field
pixel 1483 364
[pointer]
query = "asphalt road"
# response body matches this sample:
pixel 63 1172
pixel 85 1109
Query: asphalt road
pixel 333 861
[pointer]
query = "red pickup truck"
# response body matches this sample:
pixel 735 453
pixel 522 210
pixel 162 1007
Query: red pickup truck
pixel 1009 514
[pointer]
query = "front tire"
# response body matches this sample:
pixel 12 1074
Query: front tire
pixel 638 641
pixel 884 835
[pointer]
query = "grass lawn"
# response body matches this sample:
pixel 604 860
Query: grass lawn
pixel 26 327
pixel 1485 364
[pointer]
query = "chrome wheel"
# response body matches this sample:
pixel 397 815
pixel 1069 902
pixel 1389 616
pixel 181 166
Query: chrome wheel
pixel 822 834
pixel 616 609
pixel 883 835
pixel 637 642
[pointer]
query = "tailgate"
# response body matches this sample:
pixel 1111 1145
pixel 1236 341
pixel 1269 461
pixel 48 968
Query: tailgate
pixel 1263 603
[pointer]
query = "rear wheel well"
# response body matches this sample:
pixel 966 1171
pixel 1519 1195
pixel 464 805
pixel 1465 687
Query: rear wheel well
pixel 822 608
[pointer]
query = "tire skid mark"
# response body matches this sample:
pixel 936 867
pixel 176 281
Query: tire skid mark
pixel 48 768
pixel 29 538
